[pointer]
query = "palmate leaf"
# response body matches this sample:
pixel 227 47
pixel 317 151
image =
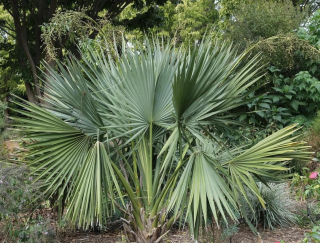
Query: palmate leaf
pixel 265 158
pixel 205 86
pixel 70 98
pixel 67 159
pixel 136 90
pixel 218 180
pixel 92 187
pixel 208 188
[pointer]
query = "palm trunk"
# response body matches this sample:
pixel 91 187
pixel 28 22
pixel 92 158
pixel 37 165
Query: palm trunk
pixel 147 233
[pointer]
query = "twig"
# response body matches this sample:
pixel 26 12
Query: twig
pixel 118 206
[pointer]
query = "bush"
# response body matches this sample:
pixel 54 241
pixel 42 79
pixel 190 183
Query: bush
pixel 18 196
pixel 313 236
pixel 14 190
pixel 316 125
pixel 30 231
pixel 256 19
pixel 312 137
pixel 278 203
pixel 292 86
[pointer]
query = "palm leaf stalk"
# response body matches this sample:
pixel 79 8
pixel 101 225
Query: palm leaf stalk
pixel 147 127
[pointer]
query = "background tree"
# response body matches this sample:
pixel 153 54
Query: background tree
pixel 184 22
pixel 10 73
pixel 29 16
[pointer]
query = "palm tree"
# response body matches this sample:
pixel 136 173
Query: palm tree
pixel 144 132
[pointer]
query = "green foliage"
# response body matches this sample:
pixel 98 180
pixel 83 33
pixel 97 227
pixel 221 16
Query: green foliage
pixel 288 101
pixel 10 72
pixel 278 206
pixel 253 20
pixel 312 137
pixel 193 19
pixel 266 113
pixel 73 25
pixel 185 22
pixel 247 134
pixel 289 90
pixel 316 124
pixel 228 231
pixel 308 88
pixel 308 188
pixel 22 23
pixel 30 231
pixel 227 8
pixel 74 28
pixel 312 32
pixel 15 190
pixel 17 199
pixel 298 95
pixel 153 119
pixel 304 187
pixel 313 236
pixel 288 53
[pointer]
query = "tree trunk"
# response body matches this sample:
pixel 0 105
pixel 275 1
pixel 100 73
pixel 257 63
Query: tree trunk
pixel 30 93
pixel 51 64
pixel 23 45
pixel 33 69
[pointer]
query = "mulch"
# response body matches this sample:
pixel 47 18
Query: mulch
pixel 288 235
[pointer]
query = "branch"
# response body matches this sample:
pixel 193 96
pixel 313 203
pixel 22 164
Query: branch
pixel 7 25
pixel 11 28
pixel 117 8
pixel 2 28
pixel 10 12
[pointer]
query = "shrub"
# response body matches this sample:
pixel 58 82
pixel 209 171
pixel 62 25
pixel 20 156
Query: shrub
pixel 14 189
pixel 30 231
pixel 312 137
pixel 316 125
pixel 278 205
pixel 313 236
pixel 263 19
pixel 17 201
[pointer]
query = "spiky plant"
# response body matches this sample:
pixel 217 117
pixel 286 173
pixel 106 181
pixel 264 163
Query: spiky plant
pixel 279 206
pixel 152 119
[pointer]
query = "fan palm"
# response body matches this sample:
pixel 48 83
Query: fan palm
pixel 144 132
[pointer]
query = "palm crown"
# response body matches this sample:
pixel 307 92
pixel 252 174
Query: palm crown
pixel 147 127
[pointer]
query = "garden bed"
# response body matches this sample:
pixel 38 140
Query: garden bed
pixel 288 235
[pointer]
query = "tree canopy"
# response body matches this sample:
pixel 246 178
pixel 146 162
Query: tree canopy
pixel 22 21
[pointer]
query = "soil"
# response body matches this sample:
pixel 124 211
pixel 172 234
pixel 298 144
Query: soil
pixel 288 235
pixel 244 235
